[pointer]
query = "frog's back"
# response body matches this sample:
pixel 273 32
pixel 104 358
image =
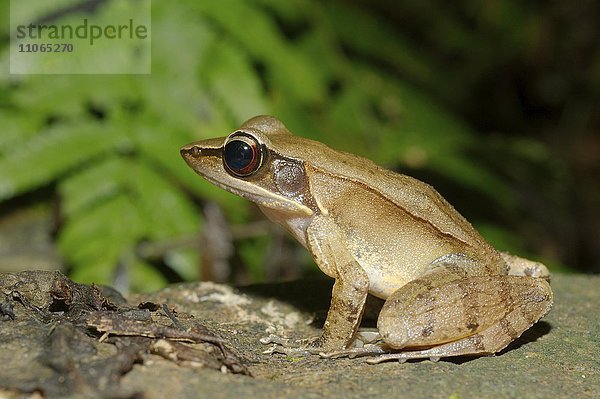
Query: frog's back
pixel 419 199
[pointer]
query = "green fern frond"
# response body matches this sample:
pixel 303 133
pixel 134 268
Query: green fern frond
pixel 227 73
pixel 289 70
pixel 166 213
pixel 16 128
pixel 101 238
pixel 50 154
pixel 81 190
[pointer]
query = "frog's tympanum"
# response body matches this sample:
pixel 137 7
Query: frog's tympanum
pixel 447 291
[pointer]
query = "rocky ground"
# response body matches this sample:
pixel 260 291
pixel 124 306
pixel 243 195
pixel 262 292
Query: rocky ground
pixel 61 339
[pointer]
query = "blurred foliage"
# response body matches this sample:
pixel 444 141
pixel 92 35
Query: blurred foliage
pixel 109 145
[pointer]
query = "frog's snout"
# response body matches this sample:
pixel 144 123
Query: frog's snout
pixel 190 150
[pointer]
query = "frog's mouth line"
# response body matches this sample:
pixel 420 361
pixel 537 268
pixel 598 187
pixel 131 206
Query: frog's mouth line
pixel 268 200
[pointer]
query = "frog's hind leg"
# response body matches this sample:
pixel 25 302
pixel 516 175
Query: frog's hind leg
pixel 450 316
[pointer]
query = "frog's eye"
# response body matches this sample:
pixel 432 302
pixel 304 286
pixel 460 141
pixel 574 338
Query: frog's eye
pixel 242 154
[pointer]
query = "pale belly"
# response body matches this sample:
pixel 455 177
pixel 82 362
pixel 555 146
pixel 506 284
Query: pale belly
pixel 388 270
pixel 397 255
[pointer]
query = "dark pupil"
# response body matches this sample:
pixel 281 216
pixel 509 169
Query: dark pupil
pixel 239 155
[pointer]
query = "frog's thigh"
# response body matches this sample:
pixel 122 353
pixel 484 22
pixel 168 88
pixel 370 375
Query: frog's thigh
pixel 457 316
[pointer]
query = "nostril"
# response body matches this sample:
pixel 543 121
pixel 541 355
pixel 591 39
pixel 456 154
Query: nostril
pixel 193 151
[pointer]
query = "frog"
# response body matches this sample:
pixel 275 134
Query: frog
pixel 447 292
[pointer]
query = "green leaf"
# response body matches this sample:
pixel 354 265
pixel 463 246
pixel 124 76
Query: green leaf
pixel 166 213
pixel 230 77
pixel 45 157
pixel 351 113
pixel 161 203
pixel 68 98
pixel 83 189
pixel 17 127
pixel 99 238
pixel 288 69
pixel 292 10
pixel 173 92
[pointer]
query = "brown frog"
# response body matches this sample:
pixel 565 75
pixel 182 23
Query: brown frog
pixel 447 291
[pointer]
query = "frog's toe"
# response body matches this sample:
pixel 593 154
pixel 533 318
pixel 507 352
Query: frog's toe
pixel 293 352
pixel 366 350
pixel 274 339
pixel 291 347
pixel 402 357
pixel 287 342
pixel 399 357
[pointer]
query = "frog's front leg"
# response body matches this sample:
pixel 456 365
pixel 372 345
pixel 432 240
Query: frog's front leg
pixel 326 244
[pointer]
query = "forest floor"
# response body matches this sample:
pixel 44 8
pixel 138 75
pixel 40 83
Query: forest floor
pixel 62 339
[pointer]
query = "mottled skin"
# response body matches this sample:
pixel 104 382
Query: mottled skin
pixel 447 291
